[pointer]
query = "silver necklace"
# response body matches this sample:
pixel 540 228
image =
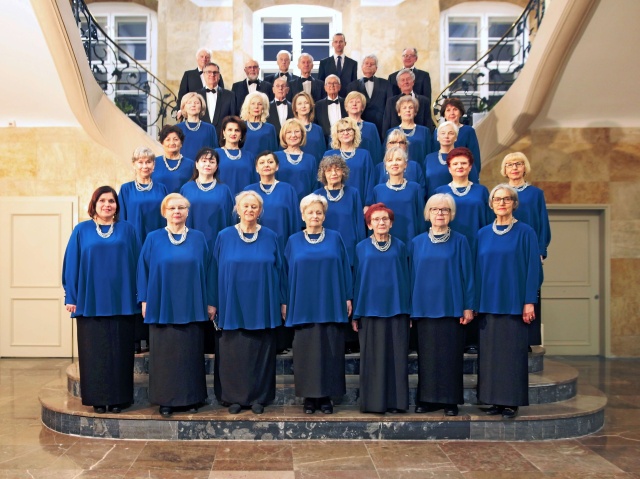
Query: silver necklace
pixel 495 229
pixel 360 124
pixel 206 188
pixel 248 240
pixel 413 131
pixel 440 238
pixel 195 128
pixel 384 247
pixel 100 233
pixel 167 164
pixel 230 156
pixel 314 241
pixel 291 160
pixel 270 190
pixel 254 128
pixel 183 236
pixel 338 197
pixel 397 188
pixel 140 187
pixel 346 155
pixel 521 188
pixel 442 162
pixel 454 189
pixel 308 127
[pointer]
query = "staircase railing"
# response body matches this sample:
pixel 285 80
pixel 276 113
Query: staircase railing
pixel 495 71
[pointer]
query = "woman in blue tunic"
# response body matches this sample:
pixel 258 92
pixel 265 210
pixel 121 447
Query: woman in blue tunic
pixel 419 136
pixel 355 103
pixel 251 304
pixel 442 291
pixel 507 281
pixel 345 141
pixel 261 135
pixel 303 108
pixel 414 171
pixel 436 167
pixel 319 305
pixel 404 197
pixel 177 294
pixel 98 277
pixel 297 168
pixel 236 164
pixel 344 213
pixel 381 315
pixel 532 211
pixel 197 133
pixel 172 169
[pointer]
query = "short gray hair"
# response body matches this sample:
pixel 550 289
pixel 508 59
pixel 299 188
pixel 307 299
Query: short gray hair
pixel 245 194
pixel 332 76
pixel 513 193
pixel 313 198
pixel 305 55
pixel 143 152
pixel 440 198
pixel 372 57
pixel 406 71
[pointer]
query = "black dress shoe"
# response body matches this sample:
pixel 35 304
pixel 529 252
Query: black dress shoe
pixel 166 411
pixel 257 408
pixel 451 410
pixel 235 409
pixel 510 412
pixel 99 409
pixel 326 406
pixel 115 409
pixel 309 406
pixel 471 350
pixel 494 410
pixel 424 407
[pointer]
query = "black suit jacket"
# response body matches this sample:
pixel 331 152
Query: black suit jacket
pixel 274 119
pixel 225 106
pixel 272 76
pixel 391 118
pixel 349 72
pixel 422 85
pixel 322 115
pixel 241 89
pixel 374 111
pixel 191 81
pixel 317 89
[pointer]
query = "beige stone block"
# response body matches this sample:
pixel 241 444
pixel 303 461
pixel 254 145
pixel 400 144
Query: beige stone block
pixel 625 239
pixel 624 315
pixel 625 346
pixel 625 162
pixel 590 164
pixel 625 198
pixel 551 164
pixel 182 39
pixel 590 192
pixel 18 158
pixel 217 36
pixel 56 161
pixel 556 192
pixel 625 276
pixel 621 136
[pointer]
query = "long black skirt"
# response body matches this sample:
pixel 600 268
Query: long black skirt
pixel 245 366
pixel 176 364
pixel 105 354
pixel 503 372
pixel 441 344
pixel 318 360
pixel 384 375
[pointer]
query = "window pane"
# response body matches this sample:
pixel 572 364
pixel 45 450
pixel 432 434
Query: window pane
pixel 270 51
pixel 459 28
pixel 318 52
pixel 497 28
pixel 277 31
pixel 136 50
pixel 136 29
pixel 313 31
pixel 132 81
pixel 466 83
pixel 504 53
pixel 500 82
pixel 461 52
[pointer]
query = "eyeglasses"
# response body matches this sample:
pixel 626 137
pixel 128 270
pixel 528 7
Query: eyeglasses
pixel 346 130
pixel 384 219
pixel 333 83
pixel 252 67
pixel 517 164
pixel 177 208
pixel 281 85
pixel 440 211
pixel 211 73
pixel 507 200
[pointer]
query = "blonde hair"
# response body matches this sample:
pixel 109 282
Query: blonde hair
pixel 292 122
pixel 189 96
pixel 312 105
pixel 407 99
pixel 517 156
pixel 311 199
pixel 356 94
pixel 169 197
pixel 143 152
pixel 350 123
pixel 245 194
pixel 440 198
pixel 244 111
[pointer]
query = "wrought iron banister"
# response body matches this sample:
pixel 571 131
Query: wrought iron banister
pixel 496 70
pixel 134 89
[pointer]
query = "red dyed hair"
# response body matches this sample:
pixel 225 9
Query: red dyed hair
pixel 460 151
pixel 374 209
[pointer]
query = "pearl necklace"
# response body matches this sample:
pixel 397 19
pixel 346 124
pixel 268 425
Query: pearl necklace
pixel 495 229
pixel 454 189
pixel 385 246
pixel 206 188
pixel 254 128
pixel 413 131
pixel 314 241
pixel 308 127
pixel 230 156
pixel 338 197
pixel 270 190
pixel 248 240
pixel 100 233
pixel 195 128
pixel 148 187
pixel 167 164
pixel 347 155
pixel 441 238
pixel 291 160
pixel 397 188
pixel 174 241
pixel 442 162
pixel 521 188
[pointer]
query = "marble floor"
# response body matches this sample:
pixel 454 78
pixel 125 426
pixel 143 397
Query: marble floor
pixel 28 450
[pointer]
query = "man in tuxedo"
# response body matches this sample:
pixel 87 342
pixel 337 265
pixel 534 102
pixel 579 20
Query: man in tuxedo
pixel 423 80
pixel 251 84
pixel 339 64
pixel 279 109
pixel 193 80
pixel 376 90
pixel 406 80
pixel 306 82
pixel 284 60
pixel 330 109
pixel 220 103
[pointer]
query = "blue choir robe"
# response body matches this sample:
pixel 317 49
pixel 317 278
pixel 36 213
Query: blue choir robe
pixel 237 174
pixel 303 176
pixel 507 270
pixel 442 277
pixel 408 209
pixel 261 140
pixel 281 210
pixel 472 212
pixel 173 180
pixel 438 174
pixel 176 281
pixel 320 280
pixel 210 211
pixel 467 138
pixel 194 140
pixel 345 217
pixel 381 280
pixel 98 274
pixel 532 210
pixel 361 173
pixel 419 143
pixel 412 173
pixel 142 208
pixel 371 141
pixel 316 143
pixel 251 280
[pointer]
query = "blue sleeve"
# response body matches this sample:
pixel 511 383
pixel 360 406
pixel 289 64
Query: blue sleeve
pixel 474 146
pixel 122 200
pixel 532 280
pixel 422 182
pixel 142 275
pixel 418 203
pixel 360 225
pixel 282 274
pixel 468 276
pixel 346 270
pixel 211 271
pixel 544 235
pixel 229 208
pixel 71 269
pixel 213 139
pixel 368 182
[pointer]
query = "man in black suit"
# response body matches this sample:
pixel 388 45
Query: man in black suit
pixel 339 64
pixel 423 80
pixel 219 102
pixel 284 60
pixel 406 80
pixel 376 90
pixel 330 109
pixel 192 80
pixel 279 109
pixel 306 82
pixel 250 84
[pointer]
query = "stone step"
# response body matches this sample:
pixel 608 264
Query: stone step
pixel 556 383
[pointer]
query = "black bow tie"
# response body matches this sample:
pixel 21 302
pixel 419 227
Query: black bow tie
pixel 283 102
pixel 367 79
pixel 285 74
pixel 252 82
pixel 214 91
pixel 333 102
pixel 306 79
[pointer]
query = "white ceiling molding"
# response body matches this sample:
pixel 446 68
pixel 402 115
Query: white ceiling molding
pixel 213 3
pixel 379 3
